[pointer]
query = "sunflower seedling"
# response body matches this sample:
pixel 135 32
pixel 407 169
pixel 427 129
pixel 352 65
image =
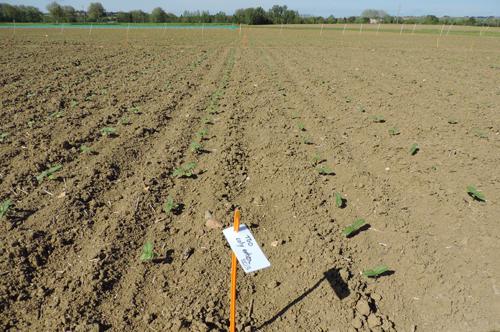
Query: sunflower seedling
pixel 378 119
pixel 339 201
pixel 125 120
pixel 196 147
pixel 148 253
pixel 353 228
pixel 49 174
pixel 108 131
pixel 474 193
pixel 134 110
pixel 316 159
pixel 301 127
pixel 394 131
pixel 202 134
pixel 56 115
pixel 185 171
pixel 325 170
pixel 207 120
pixel 3 136
pixel 414 149
pixel 86 150
pixel 376 271
pixel 4 207
pixel 170 206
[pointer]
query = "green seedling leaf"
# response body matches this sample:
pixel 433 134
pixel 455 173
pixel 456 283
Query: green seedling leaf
pixel 3 136
pixel 316 159
pixel 4 207
pixel 57 115
pixel 125 120
pixel 376 271
pixel 185 171
pixel 354 227
pixel 74 103
pixel 394 131
pixel 207 120
pixel 31 123
pixel 414 149
pixel 170 205
pixel 196 147
pixel 325 170
pixel 49 173
pixel 202 134
pixel 339 201
pixel 301 127
pixel 360 109
pixel 134 110
pixel 86 149
pixel 307 141
pixel 479 133
pixel 474 193
pixel 378 119
pixel 107 131
pixel 148 253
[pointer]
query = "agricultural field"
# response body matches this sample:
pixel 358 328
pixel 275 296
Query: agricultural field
pixel 123 154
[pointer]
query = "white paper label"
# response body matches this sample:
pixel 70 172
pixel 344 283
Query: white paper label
pixel 246 249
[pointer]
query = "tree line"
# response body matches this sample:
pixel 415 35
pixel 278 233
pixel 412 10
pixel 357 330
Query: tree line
pixel 96 12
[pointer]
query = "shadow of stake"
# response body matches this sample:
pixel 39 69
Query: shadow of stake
pixel 335 281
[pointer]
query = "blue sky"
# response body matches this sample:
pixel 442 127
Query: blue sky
pixel 314 7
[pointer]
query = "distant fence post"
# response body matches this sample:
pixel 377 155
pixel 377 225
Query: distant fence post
pixel 343 31
pixel 402 27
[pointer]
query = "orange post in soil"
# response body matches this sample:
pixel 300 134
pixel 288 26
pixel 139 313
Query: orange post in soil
pixel 232 318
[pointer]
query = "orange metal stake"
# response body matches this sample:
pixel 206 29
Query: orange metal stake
pixel 232 318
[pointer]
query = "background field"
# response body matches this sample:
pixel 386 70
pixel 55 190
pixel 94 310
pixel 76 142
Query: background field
pixel 70 247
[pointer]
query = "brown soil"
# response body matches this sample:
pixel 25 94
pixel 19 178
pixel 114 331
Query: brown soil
pixel 70 246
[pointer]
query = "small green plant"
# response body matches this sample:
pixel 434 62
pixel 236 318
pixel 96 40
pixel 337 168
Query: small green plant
pixel 339 201
pixel 360 109
pixel 378 119
pixel 56 115
pixel 479 133
pixel 148 253
pixel 325 170
pixel 49 174
pixel 376 271
pixel 316 159
pixel 185 171
pixel 474 193
pixel 354 227
pixel 108 131
pixel 134 110
pixel 196 147
pixel 125 120
pixel 3 136
pixel 202 134
pixel 414 149
pixel 4 207
pixel 301 127
pixel 74 103
pixel 170 206
pixel 207 120
pixel 85 149
pixel 307 140
pixel 31 123
pixel 394 131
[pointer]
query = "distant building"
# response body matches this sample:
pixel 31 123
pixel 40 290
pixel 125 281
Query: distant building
pixel 375 20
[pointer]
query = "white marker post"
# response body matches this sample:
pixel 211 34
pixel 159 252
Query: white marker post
pixel 361 28
pixel 14 21
pixel 441 33
pixel 203 31
pixel 240 29
pixel 128 29
pixel 281 29
pixel 321 32
pixel 378 28
pixel 413 30
pixel 402 27
pixel 448 31
pixel 90 30
pixel 343 31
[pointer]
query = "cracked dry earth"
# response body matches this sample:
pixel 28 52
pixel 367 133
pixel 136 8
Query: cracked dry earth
pixel 269 109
